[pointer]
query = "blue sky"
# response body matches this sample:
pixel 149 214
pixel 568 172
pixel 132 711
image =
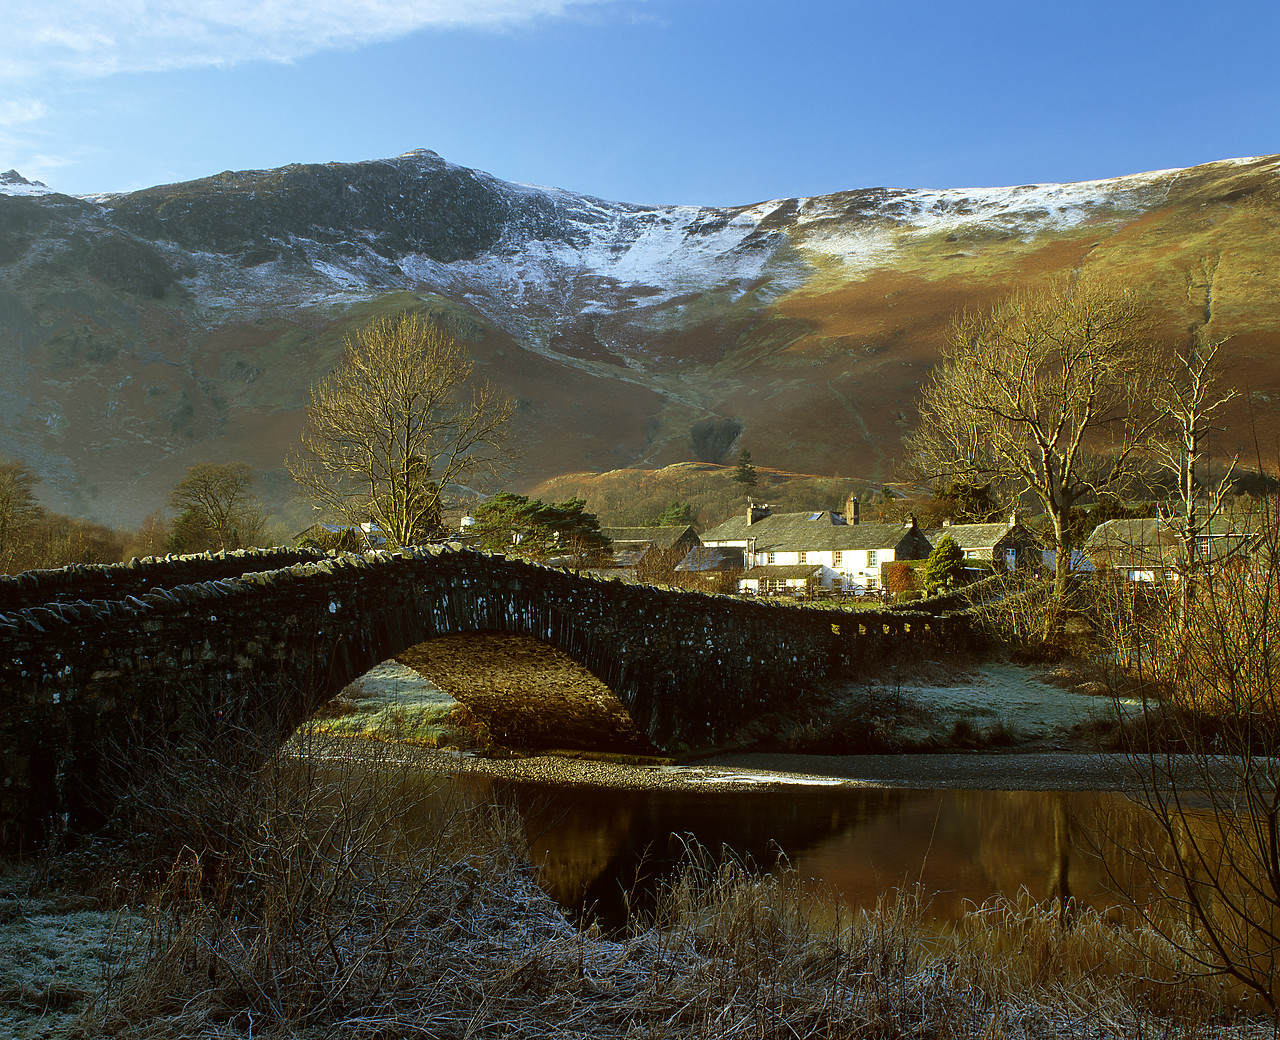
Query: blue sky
pixel 716 102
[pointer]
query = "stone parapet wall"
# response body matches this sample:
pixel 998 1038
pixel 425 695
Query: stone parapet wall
pixel 90 581
pixel 262 649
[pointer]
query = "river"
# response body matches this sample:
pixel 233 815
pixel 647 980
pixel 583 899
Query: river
pixel 960 846
pixel 860 840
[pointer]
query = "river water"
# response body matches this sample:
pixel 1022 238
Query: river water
pixel 593 844
pixel 962 847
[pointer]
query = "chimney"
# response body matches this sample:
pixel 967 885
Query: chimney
pixel 910 522
pixel 755 512
pixel 1013 519
pixel 851 508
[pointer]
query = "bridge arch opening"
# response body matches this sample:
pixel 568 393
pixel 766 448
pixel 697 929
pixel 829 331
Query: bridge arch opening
pixel 528 694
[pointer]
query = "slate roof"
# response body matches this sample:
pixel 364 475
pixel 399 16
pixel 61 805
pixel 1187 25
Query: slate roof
pixel 661 537
pixel 1151 542
pixel 970 536
pixel 630 556
pixel 780 572
pixel 817 530
pixel 707 558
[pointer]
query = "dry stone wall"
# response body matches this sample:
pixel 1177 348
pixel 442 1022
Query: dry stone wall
pixel 95 662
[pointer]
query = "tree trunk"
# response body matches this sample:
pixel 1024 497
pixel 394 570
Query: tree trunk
pixel 1056 614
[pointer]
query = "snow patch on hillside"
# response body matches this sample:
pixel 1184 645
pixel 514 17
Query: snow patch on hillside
pixel 903 217
pixel 13 183
pixel 564 258
pixel 612 259
pixel 619 259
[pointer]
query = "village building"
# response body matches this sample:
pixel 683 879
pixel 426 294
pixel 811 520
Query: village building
pixel 1149 549
pixel 647 553
pixel 713 568
pixel 792 552
pixel 1007 546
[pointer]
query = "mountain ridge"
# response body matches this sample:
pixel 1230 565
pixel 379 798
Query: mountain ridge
pixel 180 323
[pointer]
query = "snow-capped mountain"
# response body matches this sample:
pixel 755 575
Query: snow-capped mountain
pixel 13 183
pixel 183 322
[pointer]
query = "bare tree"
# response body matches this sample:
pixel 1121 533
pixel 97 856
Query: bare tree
pixel 216 508
pixel 1187 400
pixel 397 421
pixel 1042 394
pixel 19 512
pixel 151 537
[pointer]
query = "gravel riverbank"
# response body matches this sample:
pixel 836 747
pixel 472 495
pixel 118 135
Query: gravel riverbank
pixel 1010 771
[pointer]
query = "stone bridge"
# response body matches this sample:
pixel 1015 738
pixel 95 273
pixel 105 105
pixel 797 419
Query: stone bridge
pixel 109 657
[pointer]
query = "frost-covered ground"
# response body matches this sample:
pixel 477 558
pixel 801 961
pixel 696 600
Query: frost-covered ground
pixel 394 703
pixel 1043 720
pixel 1019 700
pixel 392 680
pixel 57 949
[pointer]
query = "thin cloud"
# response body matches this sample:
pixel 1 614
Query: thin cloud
pixel 16 111
pixel 86 39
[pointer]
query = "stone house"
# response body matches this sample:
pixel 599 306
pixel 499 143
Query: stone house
pixel 647 553
pixel 1149 549
pixel 789 552
pixel 1006 546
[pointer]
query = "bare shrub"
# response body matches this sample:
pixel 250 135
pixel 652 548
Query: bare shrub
pixel 339 925
pixel 323 887
pixel 1206 667
pixel 735 951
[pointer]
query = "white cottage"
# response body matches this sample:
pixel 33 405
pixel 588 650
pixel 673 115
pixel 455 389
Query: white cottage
pixel 792 551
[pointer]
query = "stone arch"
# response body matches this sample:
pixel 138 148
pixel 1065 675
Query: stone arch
pixel 271 635
pixel 527 693
pixel 461 606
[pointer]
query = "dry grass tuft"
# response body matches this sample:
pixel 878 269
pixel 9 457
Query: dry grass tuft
pixel 739 954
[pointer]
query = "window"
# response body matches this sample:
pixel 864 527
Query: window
pixel 770 557
pixel 871 557
pixel 800 557
pixel 836 555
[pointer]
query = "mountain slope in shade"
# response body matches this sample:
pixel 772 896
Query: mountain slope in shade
pixel 141 333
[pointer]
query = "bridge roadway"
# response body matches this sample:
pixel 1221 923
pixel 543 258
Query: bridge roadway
pixel 102 665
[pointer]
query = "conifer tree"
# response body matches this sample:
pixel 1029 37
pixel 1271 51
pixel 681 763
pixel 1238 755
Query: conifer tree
pixel 944 564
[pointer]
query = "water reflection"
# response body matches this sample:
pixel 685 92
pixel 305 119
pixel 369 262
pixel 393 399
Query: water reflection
pixel 593 845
